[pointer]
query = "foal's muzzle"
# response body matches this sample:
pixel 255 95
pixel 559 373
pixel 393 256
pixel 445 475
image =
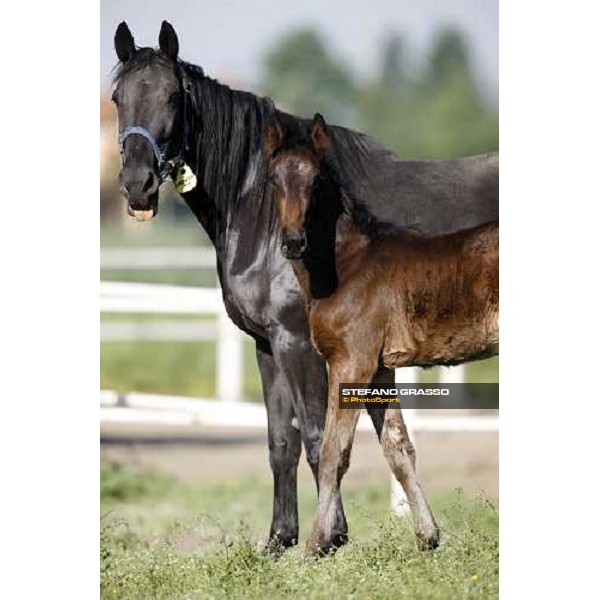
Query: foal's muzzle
pixel 293 243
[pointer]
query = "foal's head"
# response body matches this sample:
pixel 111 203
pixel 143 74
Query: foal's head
pixel 296 166
pixel 150 99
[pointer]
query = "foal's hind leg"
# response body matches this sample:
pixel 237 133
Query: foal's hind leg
pixel 340 425
pixel 400 454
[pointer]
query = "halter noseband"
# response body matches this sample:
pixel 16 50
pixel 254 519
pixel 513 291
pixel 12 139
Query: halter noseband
pixel 165 167
pixel 139 130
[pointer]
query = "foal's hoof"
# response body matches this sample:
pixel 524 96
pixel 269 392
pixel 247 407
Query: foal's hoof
pixel 429 542
pixel 318 548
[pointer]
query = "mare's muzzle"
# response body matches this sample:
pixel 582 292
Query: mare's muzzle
pixel 140 186
pixel 293 243
pixel 140 183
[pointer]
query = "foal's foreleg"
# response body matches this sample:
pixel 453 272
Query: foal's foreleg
pixel 340 426
pixel 400 454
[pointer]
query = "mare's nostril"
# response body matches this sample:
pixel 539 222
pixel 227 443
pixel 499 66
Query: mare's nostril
pixel 149 183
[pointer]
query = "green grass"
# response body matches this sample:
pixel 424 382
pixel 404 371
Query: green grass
pixel 159 232
pixel 190 277
pixel 163 539
pixel 481 371
pixel 188 368
pixel 177 368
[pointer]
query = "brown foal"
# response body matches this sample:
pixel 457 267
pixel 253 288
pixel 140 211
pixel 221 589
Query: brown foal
pixel 374 293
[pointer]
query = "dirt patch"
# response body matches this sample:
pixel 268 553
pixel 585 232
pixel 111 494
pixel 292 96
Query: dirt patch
pixel 209 454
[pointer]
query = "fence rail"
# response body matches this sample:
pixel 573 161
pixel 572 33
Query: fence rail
pixel 157 258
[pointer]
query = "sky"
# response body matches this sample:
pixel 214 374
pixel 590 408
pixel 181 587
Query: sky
pixel 229 38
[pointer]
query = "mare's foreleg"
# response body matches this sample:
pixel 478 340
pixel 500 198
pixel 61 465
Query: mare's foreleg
pixel 306 377
pixel 284 451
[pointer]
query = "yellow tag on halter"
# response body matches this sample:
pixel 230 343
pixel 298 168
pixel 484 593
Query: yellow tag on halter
pixel 185 180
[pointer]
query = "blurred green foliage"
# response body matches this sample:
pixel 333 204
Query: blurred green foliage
pixel 302 76
pixel 433 111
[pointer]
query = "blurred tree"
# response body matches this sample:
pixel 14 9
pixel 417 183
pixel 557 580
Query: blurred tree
pixel 393 71
pixel 435 113
pixel 302 77
pixel 449 57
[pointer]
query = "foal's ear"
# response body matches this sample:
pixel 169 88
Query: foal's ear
pixel 167 40
pixel 124 44
pixel 318 133
pixel 274 136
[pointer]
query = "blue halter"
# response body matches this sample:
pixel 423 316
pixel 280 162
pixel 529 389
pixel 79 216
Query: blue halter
pixel 137 129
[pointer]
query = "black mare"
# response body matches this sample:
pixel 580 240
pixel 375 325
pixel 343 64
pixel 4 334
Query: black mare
pixel 220 133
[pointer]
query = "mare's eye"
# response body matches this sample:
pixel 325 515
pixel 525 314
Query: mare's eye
pixel 114 99
pixel 174 99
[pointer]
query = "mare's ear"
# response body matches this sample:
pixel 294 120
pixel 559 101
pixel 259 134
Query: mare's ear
pixel 167 40
pixel 319 134
pixel 274 135
pixel 124 44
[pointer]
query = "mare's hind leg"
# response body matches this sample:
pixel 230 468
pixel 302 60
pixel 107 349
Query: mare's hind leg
pixel 383 376
pixel 340 425
pixel 400 454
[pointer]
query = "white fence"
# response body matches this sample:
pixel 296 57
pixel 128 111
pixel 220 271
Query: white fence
pixel 157 258
pixel 168 299
pixel 142 298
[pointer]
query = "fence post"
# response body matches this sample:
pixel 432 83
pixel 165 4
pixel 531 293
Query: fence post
pixel 452 374
pixel 229 359
pixel 398 500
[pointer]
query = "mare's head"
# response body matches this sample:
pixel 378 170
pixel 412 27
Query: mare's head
pixel 296 167
pixel 150 95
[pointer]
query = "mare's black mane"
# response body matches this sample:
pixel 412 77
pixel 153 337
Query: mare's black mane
pixel 227 126
pixel 382 192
